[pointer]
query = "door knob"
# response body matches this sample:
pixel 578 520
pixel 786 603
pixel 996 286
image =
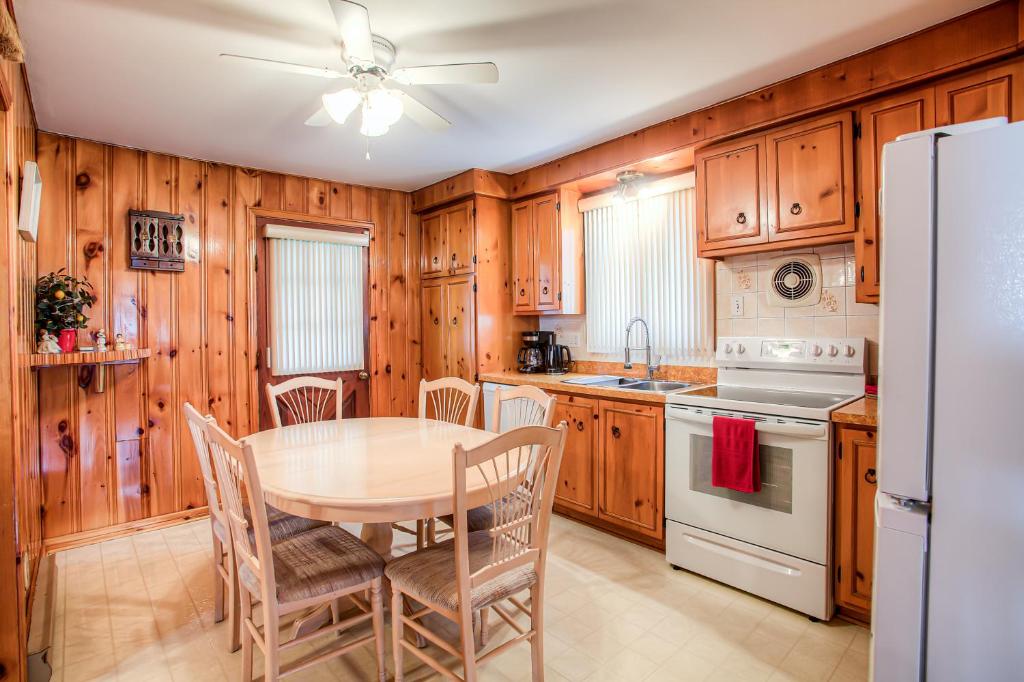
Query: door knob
pixel 870 476
pixel 364 375
pixel 796 208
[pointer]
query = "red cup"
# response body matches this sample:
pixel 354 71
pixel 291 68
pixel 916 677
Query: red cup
pixel 66 340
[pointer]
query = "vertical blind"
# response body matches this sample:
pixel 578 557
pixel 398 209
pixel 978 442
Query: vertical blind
pixel 316 306
pixel 641 259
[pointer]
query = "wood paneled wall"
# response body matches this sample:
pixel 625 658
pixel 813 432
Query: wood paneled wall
pixel 125 455
pixel 20 528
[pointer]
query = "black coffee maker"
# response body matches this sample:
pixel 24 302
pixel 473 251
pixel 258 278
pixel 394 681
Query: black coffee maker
pixel 532 358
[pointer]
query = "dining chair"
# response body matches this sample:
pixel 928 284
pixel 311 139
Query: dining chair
pixel 305 399
pixel 517 472
pixel 448 399
pixel 282 525
pixel 307 570
pixel 521 406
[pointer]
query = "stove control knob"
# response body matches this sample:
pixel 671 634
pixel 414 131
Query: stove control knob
pixel 816 350
pixel 833 351
pixel 740 348
pixel 850 351
pixel 728 348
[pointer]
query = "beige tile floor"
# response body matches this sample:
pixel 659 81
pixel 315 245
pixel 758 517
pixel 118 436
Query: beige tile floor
pixel 141 608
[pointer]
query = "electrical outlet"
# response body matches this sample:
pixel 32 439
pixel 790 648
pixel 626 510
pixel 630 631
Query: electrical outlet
pixel 736 309
pixel 568 339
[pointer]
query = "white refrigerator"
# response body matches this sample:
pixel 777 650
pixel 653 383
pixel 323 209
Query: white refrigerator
pixel 948 599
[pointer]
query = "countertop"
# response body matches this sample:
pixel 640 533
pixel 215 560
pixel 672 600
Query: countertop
pixel 553 382
pixel 863 412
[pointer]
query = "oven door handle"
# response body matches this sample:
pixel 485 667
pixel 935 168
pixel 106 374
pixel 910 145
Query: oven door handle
pixel 798 430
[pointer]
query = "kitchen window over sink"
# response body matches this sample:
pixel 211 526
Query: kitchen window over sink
pixel 641 259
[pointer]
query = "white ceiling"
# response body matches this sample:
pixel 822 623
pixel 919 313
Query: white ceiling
pixel 145 73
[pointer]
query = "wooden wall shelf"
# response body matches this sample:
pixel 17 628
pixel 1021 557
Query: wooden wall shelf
pixel 108 357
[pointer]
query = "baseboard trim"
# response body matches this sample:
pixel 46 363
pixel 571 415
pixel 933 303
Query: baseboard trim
pixel 90 537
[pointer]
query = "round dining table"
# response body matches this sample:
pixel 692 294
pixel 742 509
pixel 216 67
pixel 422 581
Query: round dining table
pixel 373 471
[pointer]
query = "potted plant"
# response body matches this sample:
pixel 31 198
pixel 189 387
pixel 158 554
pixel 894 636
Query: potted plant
pixel 61 301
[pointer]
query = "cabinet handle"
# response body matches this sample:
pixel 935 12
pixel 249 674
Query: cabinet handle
pixel 796 208
pixel 437 321
pixel 616 432
pixel 436 259
pixel 862 273
pixel 870 477
pixel 545 291
pixel 741 217
pixel 453 258
pixel 522 292
pixel 579 426
pixel 455 322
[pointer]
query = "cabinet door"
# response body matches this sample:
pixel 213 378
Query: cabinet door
pixel 522 256
pixel 546 252
pixel 631 466
pixel 984 94
pixel 435 331
pixel 460 318
pixel 460 235
pixel 435 248
pixel 731 197
pixel 855 518
pixel 810 179
pixel 577 476
pixel 882 122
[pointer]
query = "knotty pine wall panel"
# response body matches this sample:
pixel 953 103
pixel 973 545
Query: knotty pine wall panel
pixel 126 455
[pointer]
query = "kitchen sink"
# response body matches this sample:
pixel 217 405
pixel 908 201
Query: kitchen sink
pixel 657 386
pixel 617 382
pixel 630 383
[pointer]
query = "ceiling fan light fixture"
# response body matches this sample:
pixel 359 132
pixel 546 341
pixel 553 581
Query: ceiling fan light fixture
pixel 342 103
pixel 384 106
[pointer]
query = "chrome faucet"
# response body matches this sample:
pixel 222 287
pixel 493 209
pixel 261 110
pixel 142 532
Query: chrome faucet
pixel 651 365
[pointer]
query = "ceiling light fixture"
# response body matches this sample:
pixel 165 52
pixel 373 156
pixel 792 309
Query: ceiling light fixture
pixel 629 188
pixel 380 107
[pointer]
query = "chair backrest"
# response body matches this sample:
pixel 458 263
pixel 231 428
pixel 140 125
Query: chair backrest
pixel 522 406
pixel 240 491
pixel 450 399
pixel 305 399
pixel 197 426
pixel 520 470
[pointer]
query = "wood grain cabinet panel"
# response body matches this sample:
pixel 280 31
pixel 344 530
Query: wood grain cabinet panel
pixel 810 179
pixel 435 246
pixel 856 484
pixel 448 241
pixel 461 320
pixel 523 235
pixel 882 122
pixel 547 263
pixel 434 326
pixel 984 94
pixel 631 467
pixel 577 476
pixel 547 252
pixel 731 194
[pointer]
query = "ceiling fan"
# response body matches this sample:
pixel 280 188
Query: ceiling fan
pixel 367 61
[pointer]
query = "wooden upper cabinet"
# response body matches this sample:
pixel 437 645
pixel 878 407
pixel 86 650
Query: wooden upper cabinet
pixel 810 179
pixel 547 254
pixel 882 122
pixel 448 241
pixel 983 94
pixel 577 475
pixel 856 484
pixel 631 467
pixel 731 194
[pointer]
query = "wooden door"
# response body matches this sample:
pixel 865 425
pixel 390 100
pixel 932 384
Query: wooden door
pixel 547 252
pixel 435 247
pixel 434 344
pixel 522 256
pixel 731 194
pixel 631 466
pixel 460 235
pixel 856 477
pixel 983 94
pixel 810 179
pixel 882 122
pixel 460 318
pixel 356 384
pixel 577 476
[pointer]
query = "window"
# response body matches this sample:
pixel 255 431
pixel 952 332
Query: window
pixel 316 299
pixel 641 259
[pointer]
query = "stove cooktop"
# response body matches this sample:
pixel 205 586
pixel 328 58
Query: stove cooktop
pixel 769 396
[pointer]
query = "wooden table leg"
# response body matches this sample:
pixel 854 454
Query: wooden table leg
pixel 379 536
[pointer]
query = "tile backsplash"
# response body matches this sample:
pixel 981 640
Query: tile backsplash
pixel 836 314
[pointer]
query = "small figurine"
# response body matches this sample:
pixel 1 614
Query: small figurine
pixel 101 340
pixel 119 343
pixel 47 343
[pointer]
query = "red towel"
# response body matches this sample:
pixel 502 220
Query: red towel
pixel 735 462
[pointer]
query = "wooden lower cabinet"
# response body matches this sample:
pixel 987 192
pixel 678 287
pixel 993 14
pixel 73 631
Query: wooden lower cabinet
pixel 613 469
pixel 855 486
pixel 448 321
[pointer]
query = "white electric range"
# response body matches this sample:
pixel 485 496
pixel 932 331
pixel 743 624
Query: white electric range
pixel 776 542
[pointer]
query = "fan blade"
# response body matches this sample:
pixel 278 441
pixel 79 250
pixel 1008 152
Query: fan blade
pixel 285 67
pixel 447 74
pixel 320 119
pixel 354 30
pixel 421 113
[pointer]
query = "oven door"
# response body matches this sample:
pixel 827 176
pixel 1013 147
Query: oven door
pixel 789 514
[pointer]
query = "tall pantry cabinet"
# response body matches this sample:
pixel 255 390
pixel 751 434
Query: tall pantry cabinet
pixel 466 263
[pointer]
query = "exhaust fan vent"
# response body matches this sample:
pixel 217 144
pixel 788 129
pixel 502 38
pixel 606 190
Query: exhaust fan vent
pixel 795 281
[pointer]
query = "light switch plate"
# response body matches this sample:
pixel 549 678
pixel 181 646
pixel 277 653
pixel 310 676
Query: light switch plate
pixel 568 339
pixel 736 307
